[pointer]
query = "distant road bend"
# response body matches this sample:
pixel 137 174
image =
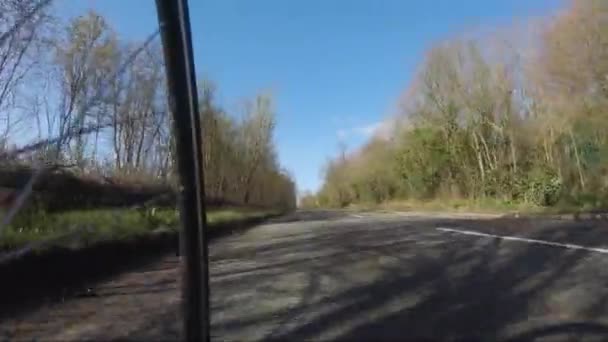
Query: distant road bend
pixel 324 275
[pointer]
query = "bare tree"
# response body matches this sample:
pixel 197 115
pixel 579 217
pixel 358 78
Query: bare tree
pixel 16 58
pixel 80 57
pixel 257 129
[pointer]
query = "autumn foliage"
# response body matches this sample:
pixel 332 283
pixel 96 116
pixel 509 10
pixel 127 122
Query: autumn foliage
pixel 494 118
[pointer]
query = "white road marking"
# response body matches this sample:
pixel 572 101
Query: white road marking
pixel 357 216
pixel 520 239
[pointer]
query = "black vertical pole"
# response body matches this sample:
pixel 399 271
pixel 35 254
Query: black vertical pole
pixel 198 137
pixel 183 103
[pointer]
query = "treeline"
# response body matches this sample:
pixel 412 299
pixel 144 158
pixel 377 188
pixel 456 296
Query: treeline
pixel 240 160
pixel 486 120
pixel 100 102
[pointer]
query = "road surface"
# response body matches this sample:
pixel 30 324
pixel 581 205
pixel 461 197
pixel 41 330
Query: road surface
pixel 342 276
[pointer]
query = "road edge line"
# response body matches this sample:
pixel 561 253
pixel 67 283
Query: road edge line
pixel 520 239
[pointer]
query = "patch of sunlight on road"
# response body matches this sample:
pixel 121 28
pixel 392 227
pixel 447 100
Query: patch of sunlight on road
pixel 267 300
pixel 397 305
pixel 270 229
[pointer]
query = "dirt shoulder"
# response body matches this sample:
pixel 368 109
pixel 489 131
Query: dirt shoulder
pixel 41 277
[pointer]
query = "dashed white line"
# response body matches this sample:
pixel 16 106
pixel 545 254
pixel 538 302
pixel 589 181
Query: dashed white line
pixel 520 239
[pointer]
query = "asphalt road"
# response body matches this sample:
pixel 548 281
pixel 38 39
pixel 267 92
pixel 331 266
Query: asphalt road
pixel 339 276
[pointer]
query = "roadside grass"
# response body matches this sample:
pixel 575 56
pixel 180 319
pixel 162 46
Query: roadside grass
pixel 450 205
pixel 489 205
pixel 75 229
pixel 574 205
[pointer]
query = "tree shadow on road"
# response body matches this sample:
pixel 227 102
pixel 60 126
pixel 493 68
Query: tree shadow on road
pixel 311 215
pixel 396 281
pixel 468 292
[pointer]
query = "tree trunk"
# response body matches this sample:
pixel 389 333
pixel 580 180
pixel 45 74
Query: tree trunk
pixel 578 160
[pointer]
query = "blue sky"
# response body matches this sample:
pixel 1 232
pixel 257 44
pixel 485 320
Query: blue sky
pixel 335 67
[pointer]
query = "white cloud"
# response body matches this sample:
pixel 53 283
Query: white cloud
pixel 380 128
pixel 342 134
pixel 369 130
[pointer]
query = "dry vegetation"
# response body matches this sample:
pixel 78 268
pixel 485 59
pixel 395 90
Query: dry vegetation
pixel 59 78
pixel 489 122
pixel 89 107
